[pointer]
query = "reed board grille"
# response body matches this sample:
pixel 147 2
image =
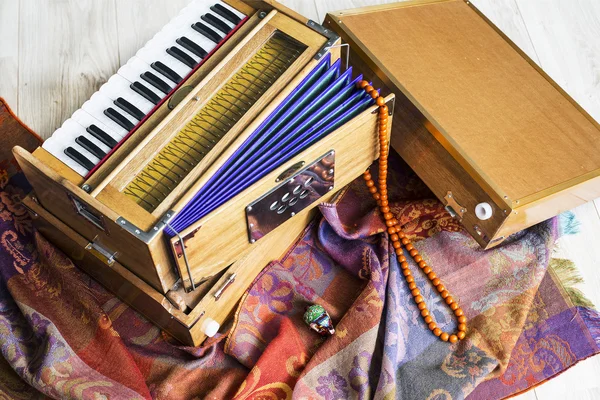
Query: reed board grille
pixel 177 159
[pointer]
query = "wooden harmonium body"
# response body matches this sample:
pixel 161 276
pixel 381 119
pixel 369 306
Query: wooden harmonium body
pixel 494 137
pixel 175 195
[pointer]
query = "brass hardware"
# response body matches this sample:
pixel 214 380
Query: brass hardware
pixel 452 206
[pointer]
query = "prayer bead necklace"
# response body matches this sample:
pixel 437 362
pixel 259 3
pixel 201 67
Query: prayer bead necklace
pixel 399 239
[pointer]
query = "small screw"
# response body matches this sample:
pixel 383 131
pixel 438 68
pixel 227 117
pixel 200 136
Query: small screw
pixel 505 211
pixel 331 171
pixel 517 202
pixel 462 210
pixel 86 187
pixel 330 187
pixel 505 197
pixel 123 222
pixel 137 231
pixel 156 228
pixel 252 240
pixel 249 208
pixel 293 213
pixel 196 98
pixel 251 225
pixel 449 196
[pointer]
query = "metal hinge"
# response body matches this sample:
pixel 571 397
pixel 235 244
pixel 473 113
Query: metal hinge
pixel 98 249
pixel 149 235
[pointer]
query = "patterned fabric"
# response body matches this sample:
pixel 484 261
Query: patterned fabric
pixel 64 336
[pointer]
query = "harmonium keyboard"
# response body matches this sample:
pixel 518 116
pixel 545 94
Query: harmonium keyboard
pixel 202 159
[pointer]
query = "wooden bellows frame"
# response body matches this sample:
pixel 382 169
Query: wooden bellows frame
pixel 195 278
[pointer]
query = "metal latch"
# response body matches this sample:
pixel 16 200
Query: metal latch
pixel 454 209
pixel 101 252
pixel 219 292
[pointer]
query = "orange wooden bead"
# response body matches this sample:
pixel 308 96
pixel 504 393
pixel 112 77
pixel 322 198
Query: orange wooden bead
pixel 453 338
pixel 401 234
pixel 369 88
pixel 422 264
pixel 376 196
pixel 454 306
pixel 440 287
pixel 385 109
pixel 380 101
pixel 406 272
pixel 384 202
pixel 462 327
pixel 459 312
pixel 449 300
pixel 444 336
pixel 437 331
pixel 462 319
pixel 367 175
pixel 427 270
pixel 396 245
pixel 424 312
pixel 409 279
pixel 409 247
pixel 431 275
pixel 428 319
pixel 461 335
pixel 418 259
pixel 389 223
pixel 419 299
pixel 404 265
pixel 444 294
pixel 391 230
pixel 402 258
pixel 363 84
pixel 400 253
pixel 373 189
pixel 432 326
pixel 415 292
pixel 413 252
pixel 412 285
pixel 370 183
pixel 388 216
pixel 385 209
pixel 374 94
pixel 394 237
pixel 405 241
pixel 422 306
pixel 434 282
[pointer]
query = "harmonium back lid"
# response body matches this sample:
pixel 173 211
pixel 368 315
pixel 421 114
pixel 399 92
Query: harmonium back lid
pixel 510 126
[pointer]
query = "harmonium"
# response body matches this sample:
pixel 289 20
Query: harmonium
pixel 205 156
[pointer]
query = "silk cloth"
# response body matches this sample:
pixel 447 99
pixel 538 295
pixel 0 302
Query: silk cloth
pixel 63 336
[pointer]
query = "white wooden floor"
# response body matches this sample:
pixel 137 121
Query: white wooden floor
pixel 55 53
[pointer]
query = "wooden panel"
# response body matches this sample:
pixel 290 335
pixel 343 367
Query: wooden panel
pixel 9 51
pixel 70 49
pixel 496 111
pixel 52 191
pixel 222 235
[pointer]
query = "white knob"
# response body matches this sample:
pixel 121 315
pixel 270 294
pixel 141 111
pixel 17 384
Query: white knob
pixel 483 211
pixel 210 327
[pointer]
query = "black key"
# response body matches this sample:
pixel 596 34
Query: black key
pixel 216 22
pixel 191 47
pixel 90 146
pixel 227 14
pixel 129 108
pixel 206 31
pixel 145 92
pixel 119 119
pixel 101 136
pixel 182 56
pixel 156 82
pixel 166 71
pixel 79 158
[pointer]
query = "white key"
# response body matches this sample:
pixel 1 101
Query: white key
pixel 56 147
pixel 96 105
pixel 73 126
pixel 67 134
pixel 117 86
pixel 233 10
pixel 156 51
pixel 84 119
pixel 133 70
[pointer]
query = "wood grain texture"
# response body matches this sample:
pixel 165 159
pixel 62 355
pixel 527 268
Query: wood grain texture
pixel 9 52
pixel 70 51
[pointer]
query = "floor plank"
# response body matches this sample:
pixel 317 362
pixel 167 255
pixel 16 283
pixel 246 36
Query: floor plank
pixel 139 20
pixel 9 51
pixel 566 36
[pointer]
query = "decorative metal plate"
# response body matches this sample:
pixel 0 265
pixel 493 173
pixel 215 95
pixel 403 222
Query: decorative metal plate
pixel 292 196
